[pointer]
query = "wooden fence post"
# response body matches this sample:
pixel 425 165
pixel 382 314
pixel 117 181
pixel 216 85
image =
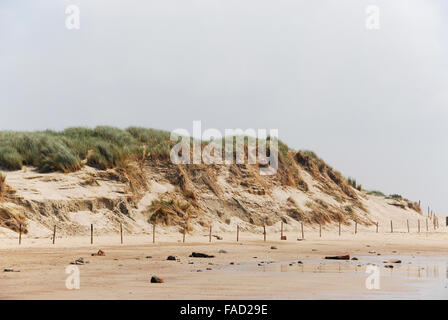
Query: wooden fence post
pixel 391 227
pixel 154 233
pixel 339 227
pixel 320 230
pixel 54 233
pixel 418 225
pixel 210 235
pixel 91 234
pixel 377 227
pixel 237 233
pixel 185 231
pixel 303 233
pixel 264 233
pixel 121 233
pixel 20 234
pixel 281 231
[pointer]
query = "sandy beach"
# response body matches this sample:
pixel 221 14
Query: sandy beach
pixel 248 269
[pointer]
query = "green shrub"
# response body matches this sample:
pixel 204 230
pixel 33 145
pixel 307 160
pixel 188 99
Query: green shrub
pixel 10 159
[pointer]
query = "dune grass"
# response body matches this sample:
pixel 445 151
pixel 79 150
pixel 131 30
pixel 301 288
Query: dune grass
pixel 102 147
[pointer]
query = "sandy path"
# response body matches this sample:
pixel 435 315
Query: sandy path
pixel 124 272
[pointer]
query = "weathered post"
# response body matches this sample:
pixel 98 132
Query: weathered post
pixel 154 233
pixel 419 226
pixel 377 227
pixel 264 233
pixel 54 233
pixel 391 227
pixel 320 230
pixel 20 234
pixel 339 227
pixel 210 235
pixel 237 233
pixel 303 233
pixel 121 233
pixel 281 231
pixel 91 234
pixel 185 231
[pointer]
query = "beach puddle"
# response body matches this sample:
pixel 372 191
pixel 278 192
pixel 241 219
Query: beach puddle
pixel 416 277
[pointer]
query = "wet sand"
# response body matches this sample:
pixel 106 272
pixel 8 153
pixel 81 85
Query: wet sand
pixel 257 272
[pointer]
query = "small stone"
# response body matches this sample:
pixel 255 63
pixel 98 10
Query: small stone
pixel 198 270
pixel 273 247
pixel 209 268
pixel 155 279
pixel 299 262
pixel 222 251
pixel 171 258
pixel 341 257
pixel 99 253
pixel 388 266
pixel 232 263
pixel 200 255
pixel 79 261
pixel 148 257
pixel 354 258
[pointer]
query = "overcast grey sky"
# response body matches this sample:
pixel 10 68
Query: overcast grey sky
pixel 372 103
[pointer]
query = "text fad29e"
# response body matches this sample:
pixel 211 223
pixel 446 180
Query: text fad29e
pixel 227 309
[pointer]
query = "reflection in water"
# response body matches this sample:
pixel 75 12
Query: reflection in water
pixel 422 277
pixel 437 270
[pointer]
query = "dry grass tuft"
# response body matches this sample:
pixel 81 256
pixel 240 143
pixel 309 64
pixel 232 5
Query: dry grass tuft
pixel 90 181
pixel 171 212
pixel 5 190
pixel 12 218
pixel 3 185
